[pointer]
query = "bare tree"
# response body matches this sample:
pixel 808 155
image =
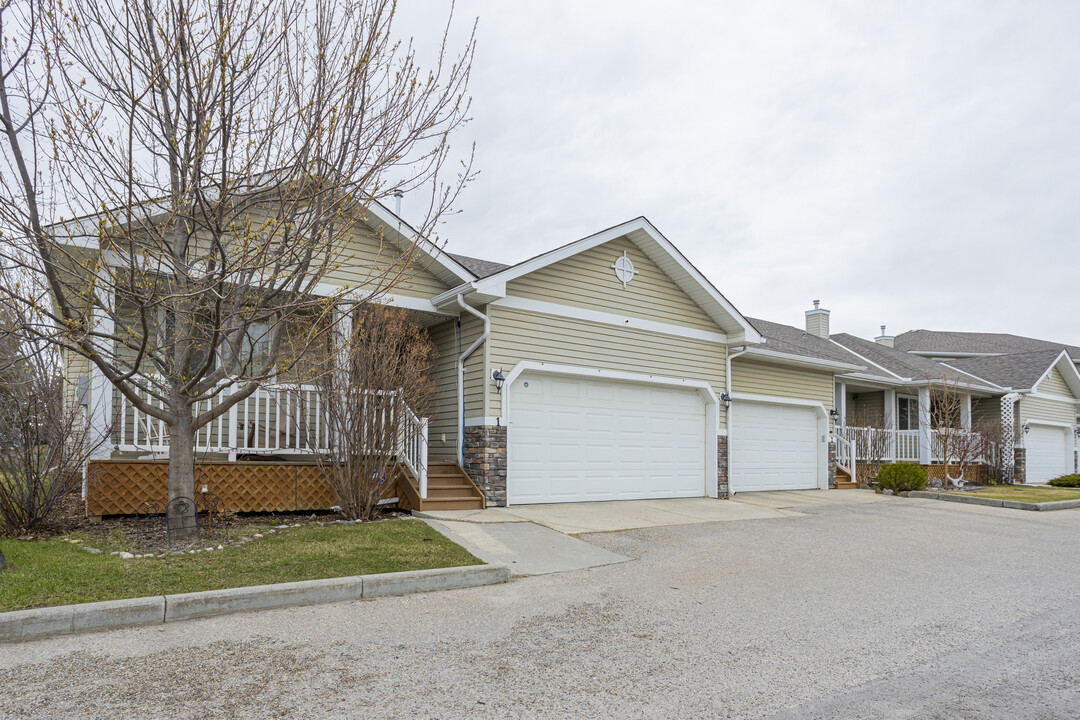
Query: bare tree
pixel 213 161
pixel 376 386
pixel 43 439
pixel 959 447
pixel 869 429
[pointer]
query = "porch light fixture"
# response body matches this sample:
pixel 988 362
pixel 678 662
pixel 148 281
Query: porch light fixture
pixel 499 379
pixel 1026 428
pixel 726 398
pixel 834 414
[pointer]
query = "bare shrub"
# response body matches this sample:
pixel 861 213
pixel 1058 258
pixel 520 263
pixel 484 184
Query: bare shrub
pixel 869 430
pixel 373 385
pixel 44 442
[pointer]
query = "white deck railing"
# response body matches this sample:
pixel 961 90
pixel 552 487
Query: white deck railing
pixel 899 445
pixel 281 419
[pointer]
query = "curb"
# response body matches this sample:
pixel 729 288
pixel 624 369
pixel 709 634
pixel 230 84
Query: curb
pixel 992 502
pixel 159 609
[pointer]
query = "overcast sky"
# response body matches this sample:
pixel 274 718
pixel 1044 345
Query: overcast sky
pixel 914 164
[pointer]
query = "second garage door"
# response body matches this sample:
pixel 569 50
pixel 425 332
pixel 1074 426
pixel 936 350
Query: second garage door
pixel 1049 452
pixel 576 439
pixel 773 447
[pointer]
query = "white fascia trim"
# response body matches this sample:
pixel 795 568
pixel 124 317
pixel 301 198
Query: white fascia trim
pixel 875 380
pixel 409 234
pixel 1071 373
pixel 705 390
pixel 607 318
pixel 790 359
pixel 958 355
pixel 483 421
pixel 868 361
pixel 490 285
pixel 816 405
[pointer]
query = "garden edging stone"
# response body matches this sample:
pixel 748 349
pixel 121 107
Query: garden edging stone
pixel 995 502
pixel 158 609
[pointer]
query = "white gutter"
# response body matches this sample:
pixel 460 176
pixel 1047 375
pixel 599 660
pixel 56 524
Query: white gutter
pixel 461 375
pixel 727 410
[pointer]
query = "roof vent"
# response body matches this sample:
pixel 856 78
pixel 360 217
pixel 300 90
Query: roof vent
pixel 817 321
pixel 883 339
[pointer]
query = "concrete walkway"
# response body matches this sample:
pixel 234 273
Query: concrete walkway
pixel 524 547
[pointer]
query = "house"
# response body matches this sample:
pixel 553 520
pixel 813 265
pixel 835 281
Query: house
pixel 608 368
pixel 1029 387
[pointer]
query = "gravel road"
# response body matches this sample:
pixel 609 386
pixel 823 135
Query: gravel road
pixel 903 609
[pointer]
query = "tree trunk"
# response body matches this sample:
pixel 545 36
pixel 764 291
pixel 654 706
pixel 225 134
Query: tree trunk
pixel 182 475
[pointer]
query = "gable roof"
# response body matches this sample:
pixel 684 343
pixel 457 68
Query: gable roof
pixel 934 341
pixel 656 247
pixel 479 268
pixel 904 365
pixel 790 340
pixel 1020 371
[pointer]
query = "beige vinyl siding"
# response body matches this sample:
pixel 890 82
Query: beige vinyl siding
pixel 587 280
pixel 757 377
pixel 518 335
pixel 443 414
pixel 1054 384
pixel 985 411
pixel 366 257
pixel 1033 408
pixel 75 366
pixel 865 404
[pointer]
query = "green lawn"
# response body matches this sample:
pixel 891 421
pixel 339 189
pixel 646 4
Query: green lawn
pixel 54 572
pixel 1025 493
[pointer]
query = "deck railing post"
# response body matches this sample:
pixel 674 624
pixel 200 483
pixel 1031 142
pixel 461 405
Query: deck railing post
pixel 422 457
pixel 233 421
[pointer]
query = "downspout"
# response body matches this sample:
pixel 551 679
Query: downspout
pixel 461 374
pixel 727 409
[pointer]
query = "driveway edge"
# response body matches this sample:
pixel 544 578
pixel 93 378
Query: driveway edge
pixel 993 502
pixel 159 609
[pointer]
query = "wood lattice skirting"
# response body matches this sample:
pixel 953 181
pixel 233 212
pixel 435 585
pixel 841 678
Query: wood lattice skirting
pixel 118 487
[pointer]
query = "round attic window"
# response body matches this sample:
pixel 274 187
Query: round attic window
pixel 624 269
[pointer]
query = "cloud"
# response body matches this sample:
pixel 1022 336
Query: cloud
pixel 909 164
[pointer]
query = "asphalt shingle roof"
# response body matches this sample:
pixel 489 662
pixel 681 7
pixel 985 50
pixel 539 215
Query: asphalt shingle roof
pixel 479 268
pixel 973 342
pixel 1016 370
pixel 796 341
pixel 903 364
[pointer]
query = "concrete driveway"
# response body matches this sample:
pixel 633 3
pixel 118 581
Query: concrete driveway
pixel 616 516
pixel 894 609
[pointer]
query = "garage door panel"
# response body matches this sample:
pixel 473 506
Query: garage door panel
pixel 1049 452
pixel 773 447
pixel 624 441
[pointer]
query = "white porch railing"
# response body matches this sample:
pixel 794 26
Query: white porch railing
pixel 845 455
pixel 282 419
pixel 899 445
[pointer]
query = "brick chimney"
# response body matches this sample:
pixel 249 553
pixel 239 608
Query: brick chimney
pixel 817 321
pixel 883 339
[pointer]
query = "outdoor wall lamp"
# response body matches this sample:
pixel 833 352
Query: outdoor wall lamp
pixel 834 414
pixel 726 398
pixel 1026 428
pixel 499 379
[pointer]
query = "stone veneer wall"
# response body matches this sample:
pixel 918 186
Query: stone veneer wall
pixel 1020 460
pixel 485 460
pixel 721 467
pixel 832 465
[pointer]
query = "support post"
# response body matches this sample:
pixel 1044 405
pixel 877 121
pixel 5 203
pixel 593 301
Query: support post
pixel 925 454
pixel 100 390
pixel 965 413
pixel 890 422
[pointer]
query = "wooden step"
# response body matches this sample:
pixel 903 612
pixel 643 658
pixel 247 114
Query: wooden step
pixel 448 488
pixel 468 502
pixel 846 485
pixel 448 491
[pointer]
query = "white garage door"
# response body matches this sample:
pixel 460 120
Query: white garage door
pixel 1049 452
pixel 773 447
pixel 574 439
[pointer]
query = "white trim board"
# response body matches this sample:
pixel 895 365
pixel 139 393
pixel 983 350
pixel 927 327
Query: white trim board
pixel 607 318
pixel 801 360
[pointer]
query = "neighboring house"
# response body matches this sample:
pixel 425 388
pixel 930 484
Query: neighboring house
pixel 898 375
